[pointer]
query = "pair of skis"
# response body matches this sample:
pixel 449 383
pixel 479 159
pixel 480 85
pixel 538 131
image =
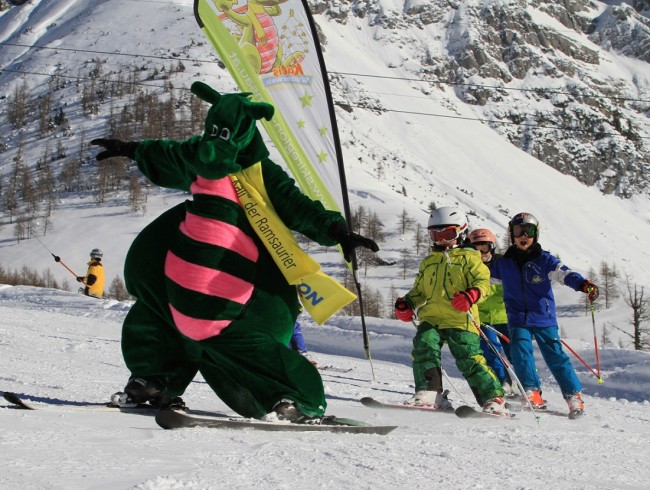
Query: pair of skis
pixel 176 419
pixel 464 411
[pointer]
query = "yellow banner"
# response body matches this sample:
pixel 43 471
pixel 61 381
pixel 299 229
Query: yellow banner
pixel 269 50
pixel 320 295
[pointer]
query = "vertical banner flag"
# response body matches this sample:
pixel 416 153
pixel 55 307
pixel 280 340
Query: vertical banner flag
pixel 270 50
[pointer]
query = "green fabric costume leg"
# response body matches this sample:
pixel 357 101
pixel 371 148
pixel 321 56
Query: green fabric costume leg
pixel 249 365
pixel 154 350
pixel 151 346
pixel 249 373
pixel 246 377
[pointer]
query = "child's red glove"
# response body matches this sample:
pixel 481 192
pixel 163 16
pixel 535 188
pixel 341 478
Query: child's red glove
pixel 403 310
pixel 464 300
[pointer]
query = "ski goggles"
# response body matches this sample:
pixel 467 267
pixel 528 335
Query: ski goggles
pixel 527 229
pixel 444 233
pixel 484 247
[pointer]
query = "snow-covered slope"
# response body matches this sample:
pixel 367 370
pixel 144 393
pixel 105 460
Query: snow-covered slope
pixel 63 349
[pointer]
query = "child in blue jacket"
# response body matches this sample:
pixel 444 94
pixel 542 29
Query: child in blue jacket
pixel 526 272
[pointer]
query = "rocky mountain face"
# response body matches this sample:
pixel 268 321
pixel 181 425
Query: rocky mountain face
pixel 567 81
pixel 553 77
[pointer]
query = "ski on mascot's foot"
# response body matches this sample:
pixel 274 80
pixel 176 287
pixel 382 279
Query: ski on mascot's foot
pixel 171 419
pixel 467 412
pixel 373 403
pixel 18 402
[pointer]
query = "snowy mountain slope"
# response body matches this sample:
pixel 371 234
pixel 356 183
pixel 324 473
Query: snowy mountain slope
pixel 63 349
pixel 407 143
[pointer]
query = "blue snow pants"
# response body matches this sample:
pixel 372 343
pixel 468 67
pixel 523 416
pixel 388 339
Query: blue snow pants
pixel 297 341
pixel 550 346
pixel 503 329
pixel 492 359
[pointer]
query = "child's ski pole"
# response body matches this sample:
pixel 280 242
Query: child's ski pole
pixel 499 334
pixel 593 324
pixel 453 386
pixel 505 362
pixel 581 360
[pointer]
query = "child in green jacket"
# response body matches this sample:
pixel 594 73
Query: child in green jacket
pixel 494 320
pixel 450 283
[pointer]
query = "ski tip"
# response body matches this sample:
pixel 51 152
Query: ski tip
pixel 167 418
pixel 16 401
pixel 370 402
pixel 464 411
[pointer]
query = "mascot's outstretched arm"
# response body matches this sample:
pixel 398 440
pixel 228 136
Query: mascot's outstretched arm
pixel 229 132
pixel 231 142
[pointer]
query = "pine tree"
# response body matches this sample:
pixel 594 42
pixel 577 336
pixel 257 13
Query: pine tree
pixel 358 220
pixel 640 307
pixel 405 259
pixel 640 315
pixel 117 290
pixel 608 288
pixel 405 222
pixel 419 239
pixel 373 228
pixel 18 106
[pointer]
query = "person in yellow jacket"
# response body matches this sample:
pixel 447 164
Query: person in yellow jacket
pixel 450 283
pixel 94 278
pixel 494 320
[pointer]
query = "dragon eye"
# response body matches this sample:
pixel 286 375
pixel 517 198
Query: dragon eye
pixel 225 134
pixel 215 130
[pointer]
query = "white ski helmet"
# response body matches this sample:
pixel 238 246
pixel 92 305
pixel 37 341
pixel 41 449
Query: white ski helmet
pixel 449 216
pixel 96 253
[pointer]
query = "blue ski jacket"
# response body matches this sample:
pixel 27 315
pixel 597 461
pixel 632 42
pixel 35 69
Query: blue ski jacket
pixel 527 292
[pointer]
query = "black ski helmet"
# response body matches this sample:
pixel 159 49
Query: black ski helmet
pixel 523 219
pixel 96 253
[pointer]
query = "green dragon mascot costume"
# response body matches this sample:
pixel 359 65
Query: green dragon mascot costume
pixel 208 275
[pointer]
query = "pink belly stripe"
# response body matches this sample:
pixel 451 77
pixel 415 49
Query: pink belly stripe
pixel 220 187
pixel 195 328
pixel 207 281
pixel 219 233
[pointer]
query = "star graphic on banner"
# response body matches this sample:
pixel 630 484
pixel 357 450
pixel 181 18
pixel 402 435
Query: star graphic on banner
pixel 322 156
pixel 301 123
pixel 306 100
pixel 323 131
